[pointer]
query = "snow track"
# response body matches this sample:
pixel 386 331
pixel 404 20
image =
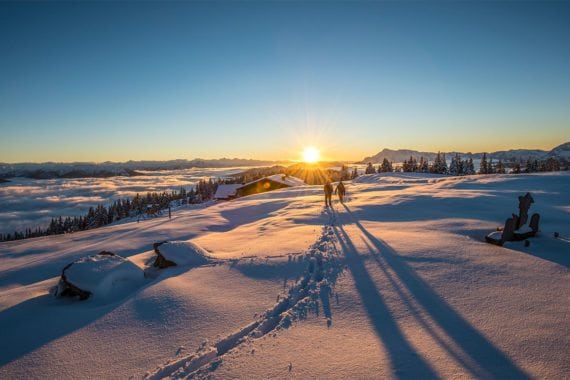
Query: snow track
pixel 323 268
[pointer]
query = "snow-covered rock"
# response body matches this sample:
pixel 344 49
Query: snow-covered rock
pixel 179 253
pixel 97 275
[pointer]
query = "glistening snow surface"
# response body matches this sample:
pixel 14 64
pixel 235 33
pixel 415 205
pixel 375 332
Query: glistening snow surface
pixel 398 282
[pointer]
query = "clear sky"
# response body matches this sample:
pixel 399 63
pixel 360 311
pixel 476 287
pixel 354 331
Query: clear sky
pixel 119 81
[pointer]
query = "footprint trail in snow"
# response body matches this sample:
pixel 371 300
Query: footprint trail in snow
pixel 324 265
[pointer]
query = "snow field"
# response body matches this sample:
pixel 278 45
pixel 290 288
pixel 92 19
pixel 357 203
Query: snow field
pixel 397 283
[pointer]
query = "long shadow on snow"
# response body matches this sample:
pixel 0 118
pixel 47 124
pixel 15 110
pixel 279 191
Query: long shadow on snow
pixel 428 208
pixel 495 205
pixel 36 322
pixel 269 270
pixel 257 213
pixel 247 214
pixel 467 364
pixel 42 269
pixel 492 362
pixel 402 354
pixel 553 250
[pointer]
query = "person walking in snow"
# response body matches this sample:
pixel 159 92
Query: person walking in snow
pixel 341 191
pixel 328 194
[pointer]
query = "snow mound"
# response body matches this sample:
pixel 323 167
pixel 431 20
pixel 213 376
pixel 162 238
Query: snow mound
pixel 99 275
pixel 180 253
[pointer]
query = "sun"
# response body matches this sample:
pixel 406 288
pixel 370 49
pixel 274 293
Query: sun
pixel 310 154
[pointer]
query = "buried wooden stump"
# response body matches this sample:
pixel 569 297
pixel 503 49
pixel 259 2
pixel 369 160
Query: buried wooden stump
pixel 515 228
pixel 500 237
pixel 524 205
pixel 526 232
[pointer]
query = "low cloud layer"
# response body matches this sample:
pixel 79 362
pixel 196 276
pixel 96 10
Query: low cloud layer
pixel 27 203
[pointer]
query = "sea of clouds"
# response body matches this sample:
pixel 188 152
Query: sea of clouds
pixel 27 203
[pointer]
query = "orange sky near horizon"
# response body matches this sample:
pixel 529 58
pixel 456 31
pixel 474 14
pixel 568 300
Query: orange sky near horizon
pixel 328 152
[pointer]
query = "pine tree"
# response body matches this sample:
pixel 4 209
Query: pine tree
pixel 439 165
pixel 436 163
pixel 454 166
pixel 483 168
pixel 443 169
pixel 490 167
pixel 354 173
pixel 552 164
pixel 424 165
pixel 469 168
pixel 386 166
pixel 500 169
pixel 460 165
pixel 413 165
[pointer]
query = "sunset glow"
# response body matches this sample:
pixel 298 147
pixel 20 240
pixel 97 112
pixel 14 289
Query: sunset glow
pixel 311 154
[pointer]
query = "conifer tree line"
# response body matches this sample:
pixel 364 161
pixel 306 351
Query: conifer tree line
pixel 551 164
pixel 458 166
pixel 140 206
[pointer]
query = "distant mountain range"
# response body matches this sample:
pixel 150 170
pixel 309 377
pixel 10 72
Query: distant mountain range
pixel 562 152
pixel 50 170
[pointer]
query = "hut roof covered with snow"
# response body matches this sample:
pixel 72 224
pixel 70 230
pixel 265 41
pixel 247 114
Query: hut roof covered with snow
pixel 228 191
pixel 273 182
pixel 286 180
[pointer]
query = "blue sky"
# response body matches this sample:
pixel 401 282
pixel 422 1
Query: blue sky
pixel 119 81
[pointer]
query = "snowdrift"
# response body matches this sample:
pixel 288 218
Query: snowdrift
pixel 99 275
pixel 179 253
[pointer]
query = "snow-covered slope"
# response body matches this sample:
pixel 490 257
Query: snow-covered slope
pixel 395 283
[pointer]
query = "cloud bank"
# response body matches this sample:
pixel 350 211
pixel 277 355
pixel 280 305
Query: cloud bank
pixel 28 203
